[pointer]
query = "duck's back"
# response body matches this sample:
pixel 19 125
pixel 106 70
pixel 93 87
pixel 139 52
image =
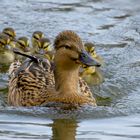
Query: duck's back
pixel 29 83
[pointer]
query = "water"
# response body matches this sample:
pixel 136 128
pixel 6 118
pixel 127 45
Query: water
pixel 114 26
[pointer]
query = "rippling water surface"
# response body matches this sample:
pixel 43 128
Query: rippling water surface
pixel 114 26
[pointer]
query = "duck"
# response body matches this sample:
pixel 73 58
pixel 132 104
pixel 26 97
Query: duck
pixel 6 55
pixel 92 75
pixel 34 84
pixel 9 31
pixel 35 37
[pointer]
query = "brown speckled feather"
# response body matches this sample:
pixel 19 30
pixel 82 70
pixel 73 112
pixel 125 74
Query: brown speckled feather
pixel 29 82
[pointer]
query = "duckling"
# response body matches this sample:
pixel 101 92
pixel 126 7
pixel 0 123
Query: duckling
pixel 35 37
pixel 12 34
pixel 23 45
pixel 6 55
pixel 44 43
pixel 92 75
pixel 34 84
pixel 45 48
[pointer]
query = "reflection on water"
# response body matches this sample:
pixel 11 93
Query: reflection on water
pixel 35 127
pixel 114 27
pixel 64 129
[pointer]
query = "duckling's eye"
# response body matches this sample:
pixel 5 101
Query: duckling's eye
pixel 92 51
pixel 36 37
pixel 2 43
pixel 21 44
pixel 46 45
pixel 67 47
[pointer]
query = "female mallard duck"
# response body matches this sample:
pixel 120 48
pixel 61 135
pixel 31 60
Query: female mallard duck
pixel 6 55
pixel 92 75
pixel 35 37
pixel 33 84
pixel 12 34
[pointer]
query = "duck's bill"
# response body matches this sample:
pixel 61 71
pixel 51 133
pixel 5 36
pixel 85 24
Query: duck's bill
pixel 87 60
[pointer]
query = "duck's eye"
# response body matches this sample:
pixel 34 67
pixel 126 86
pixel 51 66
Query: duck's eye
pixel 67 47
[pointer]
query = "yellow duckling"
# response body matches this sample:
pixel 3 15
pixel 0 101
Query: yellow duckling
pixel 34 84
pixel 23 45
pixel 45 44
pixel 35 37
pixel 92 75
pixel 12 34
pixel 45 48
pixel 6 55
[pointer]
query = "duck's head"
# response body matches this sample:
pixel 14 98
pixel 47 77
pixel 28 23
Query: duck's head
pixel 4 41
pixel 23 44
pixel 70 52
pixel 10 32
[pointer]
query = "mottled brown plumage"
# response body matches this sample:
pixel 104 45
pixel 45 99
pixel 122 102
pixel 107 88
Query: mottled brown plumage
pixel 35 84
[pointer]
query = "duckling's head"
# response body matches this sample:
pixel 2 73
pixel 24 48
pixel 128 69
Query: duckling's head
pixel 10 32
pixel 90 48
pixel 44 43
pixel 23 43
pixel 35 39
pixel 70 52
pixel 37 35
pixel 4 40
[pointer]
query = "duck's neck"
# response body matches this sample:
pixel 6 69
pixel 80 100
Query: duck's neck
pixel 66 81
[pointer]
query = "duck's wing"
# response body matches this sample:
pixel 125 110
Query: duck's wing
pixel 29 83
pixel 13 68
pixel 84 88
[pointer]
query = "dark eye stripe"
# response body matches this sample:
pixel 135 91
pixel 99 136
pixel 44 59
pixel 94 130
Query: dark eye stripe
pixel 2 43
pixel 9 35
pixel 36 38
pixel 92 51
pixel 21 44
